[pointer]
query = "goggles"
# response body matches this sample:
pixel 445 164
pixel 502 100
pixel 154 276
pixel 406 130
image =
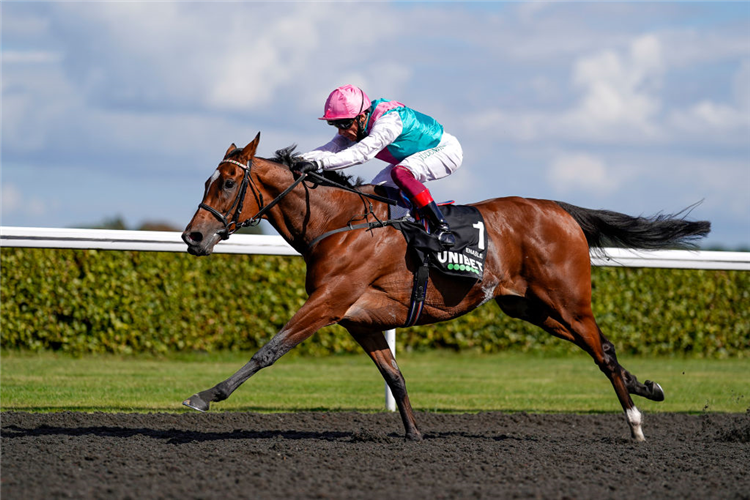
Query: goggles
pixel 341 124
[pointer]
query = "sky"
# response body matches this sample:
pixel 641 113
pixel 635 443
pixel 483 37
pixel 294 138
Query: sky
pixel 124 109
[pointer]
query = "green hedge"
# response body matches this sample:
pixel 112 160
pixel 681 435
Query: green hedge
pixel 83 301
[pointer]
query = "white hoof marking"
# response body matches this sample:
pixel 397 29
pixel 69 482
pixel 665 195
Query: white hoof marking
pixel 635 419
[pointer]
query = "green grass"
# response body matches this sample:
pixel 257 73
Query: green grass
pixel 437 381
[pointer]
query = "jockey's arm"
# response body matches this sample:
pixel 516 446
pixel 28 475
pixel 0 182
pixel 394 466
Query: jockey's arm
pixel 338 143
pixel 383 133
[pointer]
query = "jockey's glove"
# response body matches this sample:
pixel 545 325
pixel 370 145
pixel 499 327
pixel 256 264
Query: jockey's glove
pixel 305 166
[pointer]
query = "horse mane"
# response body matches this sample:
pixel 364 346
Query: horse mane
pixel 287 157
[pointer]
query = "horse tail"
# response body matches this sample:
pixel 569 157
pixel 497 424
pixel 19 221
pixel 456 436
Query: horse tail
pixel 606 228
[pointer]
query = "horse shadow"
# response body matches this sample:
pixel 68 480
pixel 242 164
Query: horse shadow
pixel 182 436
pixel 170 436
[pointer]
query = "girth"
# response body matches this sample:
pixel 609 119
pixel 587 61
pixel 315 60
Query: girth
pixel 418 293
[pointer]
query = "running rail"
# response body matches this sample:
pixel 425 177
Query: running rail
pixel 167 241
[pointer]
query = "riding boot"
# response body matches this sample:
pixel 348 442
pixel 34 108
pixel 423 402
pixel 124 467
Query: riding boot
pixel 421 198
pixel 439 225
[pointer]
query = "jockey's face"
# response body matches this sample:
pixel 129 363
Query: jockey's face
pixel 353 130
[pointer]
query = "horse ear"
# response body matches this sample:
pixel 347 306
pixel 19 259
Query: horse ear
pixel 249 150
pixel 230 149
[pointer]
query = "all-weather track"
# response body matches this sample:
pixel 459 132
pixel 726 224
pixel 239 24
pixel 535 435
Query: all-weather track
pixel 352 456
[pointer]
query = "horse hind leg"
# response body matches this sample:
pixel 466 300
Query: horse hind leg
pixel 625 384
pixel 586 334
pixel 649 389
pixel 591 340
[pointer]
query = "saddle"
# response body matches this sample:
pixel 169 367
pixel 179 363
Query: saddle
pixel 465 260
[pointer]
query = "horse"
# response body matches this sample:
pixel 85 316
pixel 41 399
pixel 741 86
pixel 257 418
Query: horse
pixel 538 267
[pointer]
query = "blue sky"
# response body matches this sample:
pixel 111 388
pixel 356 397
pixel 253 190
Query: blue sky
pixel 125 108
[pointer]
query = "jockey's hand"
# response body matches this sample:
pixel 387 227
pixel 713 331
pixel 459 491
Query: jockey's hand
pixel 305 166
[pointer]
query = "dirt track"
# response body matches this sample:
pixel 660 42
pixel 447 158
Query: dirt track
pixel 351 455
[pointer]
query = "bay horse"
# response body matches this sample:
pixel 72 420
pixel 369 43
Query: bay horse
pixel 537 268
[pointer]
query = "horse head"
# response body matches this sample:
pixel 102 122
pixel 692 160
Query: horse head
pixel 225 206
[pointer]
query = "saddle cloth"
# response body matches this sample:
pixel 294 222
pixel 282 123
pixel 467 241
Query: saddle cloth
pixel 465 259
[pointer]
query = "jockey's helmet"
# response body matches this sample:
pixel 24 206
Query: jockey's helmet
pixel 345 102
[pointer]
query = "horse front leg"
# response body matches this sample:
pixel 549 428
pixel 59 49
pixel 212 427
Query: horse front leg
pixel 317 313
pixel 377 348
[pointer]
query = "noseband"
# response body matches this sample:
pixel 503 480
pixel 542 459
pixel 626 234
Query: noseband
pixel 240 200
pixel 236 206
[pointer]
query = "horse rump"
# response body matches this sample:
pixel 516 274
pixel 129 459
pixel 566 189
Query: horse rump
pixel 607 228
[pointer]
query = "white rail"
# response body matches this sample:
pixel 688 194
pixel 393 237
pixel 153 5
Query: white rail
pixel 150 241
pixel 164 241
pixel 161 241
pixel 673 259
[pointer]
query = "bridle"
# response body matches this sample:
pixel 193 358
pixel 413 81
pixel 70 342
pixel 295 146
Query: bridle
pixel 239 202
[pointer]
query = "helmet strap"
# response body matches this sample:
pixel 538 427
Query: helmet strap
pixel 361 125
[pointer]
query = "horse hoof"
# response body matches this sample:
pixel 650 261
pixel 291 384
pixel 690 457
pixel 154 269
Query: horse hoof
pixel 412 436
pixel 657 393
pixel 196 403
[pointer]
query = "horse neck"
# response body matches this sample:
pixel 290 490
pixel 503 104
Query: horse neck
pixel 305 213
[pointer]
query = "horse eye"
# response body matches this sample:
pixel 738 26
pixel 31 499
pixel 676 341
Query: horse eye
pixel 228 184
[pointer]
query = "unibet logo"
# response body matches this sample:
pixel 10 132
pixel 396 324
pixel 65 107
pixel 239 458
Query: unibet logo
pixel 459 262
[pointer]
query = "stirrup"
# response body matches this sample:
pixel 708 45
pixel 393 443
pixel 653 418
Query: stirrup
pixel 445 236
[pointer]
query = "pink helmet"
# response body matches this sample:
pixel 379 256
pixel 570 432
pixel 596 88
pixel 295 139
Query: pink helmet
pixel 345 102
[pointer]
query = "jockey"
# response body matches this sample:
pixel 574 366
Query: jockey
pixel 415 146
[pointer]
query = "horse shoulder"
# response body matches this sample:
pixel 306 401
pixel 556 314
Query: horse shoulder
pixel 360 256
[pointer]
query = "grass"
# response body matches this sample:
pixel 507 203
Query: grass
pixel 437 381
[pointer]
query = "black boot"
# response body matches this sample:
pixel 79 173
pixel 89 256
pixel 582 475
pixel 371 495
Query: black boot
pixel 439 225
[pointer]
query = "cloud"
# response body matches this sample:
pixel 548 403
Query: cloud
pixel 618 100
pixel 11 198
pixel 250 71
pixel 30 57
pixel 221 57
pixel 709 115
pixel 530 11
pixel 621 100
pixel 13 201
pixel 570 172
pixel 721 182
pixel 722 122
pixel 688 47
pixel 619 89
pixel 741 85
pixel 159 73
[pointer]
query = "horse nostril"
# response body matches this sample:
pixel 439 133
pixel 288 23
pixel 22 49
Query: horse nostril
pixel 192 237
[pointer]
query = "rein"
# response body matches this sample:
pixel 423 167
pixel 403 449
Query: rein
pixel 322 180
pixel 239 202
